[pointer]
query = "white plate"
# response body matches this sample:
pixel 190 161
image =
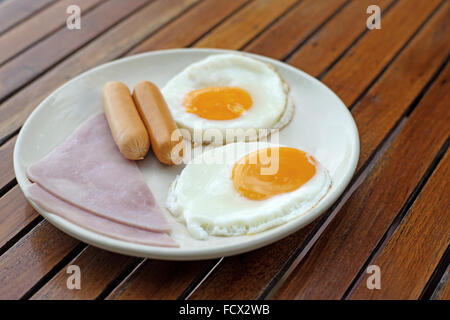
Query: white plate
pixel 322 126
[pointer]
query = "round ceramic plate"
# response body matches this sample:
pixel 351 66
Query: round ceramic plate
pixel 322 126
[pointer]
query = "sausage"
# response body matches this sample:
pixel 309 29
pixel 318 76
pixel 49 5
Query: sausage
pixel 126 126
pixel 164 133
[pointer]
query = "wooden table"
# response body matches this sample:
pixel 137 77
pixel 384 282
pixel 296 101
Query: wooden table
pixel 395 81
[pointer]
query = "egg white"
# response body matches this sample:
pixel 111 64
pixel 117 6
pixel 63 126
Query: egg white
pixel 271 107
pixel 203 196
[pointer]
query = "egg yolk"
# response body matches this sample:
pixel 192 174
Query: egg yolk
pixel 218 103
pixel 295 168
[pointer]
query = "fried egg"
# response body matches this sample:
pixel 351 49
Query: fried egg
pixel 245 188
pixel 229 92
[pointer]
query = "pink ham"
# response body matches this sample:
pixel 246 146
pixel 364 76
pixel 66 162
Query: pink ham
pixel 88 171
pixel 92 222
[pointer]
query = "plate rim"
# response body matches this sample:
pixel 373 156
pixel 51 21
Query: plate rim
pixel 164 253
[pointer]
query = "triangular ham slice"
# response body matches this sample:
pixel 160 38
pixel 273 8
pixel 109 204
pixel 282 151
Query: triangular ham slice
pixel 88 171
pixel 97 224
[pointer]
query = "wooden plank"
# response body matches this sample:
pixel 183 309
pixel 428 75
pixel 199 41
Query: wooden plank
pixel 191 26
pixel 6 162
pixel 30 259
pixel 98 269
pixel 425 53
pixel 108 46
pixel 39 26
pixel 34 61
pixel 325 46
pixel 15 214
pixel 12 11
pixel 374 51
pixel 287 33
pixel 415 249
pixel 442 291
pixel 352 235
pixel 155 280
pixel 397 88
pixel 241 27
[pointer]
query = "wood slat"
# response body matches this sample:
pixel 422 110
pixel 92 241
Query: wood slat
pixel 397 88
pixel 155 280
pixel 384 104
pixel 30 259
pixel 12 11
pixel 325 46
pixel 98 268
pixel 38 26
pixel 442 291
pixel 191 26
pixel 108 46
pixel 28 65
pixel 415 249
pixel 6 162
pixel 361 64
pixel 15 214
pixel 287 33
pixel 241 27
pixel 353 234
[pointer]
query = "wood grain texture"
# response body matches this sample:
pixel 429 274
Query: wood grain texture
pixel 190 26
pixel 98 269
pixel 108 46
pixel 363 62
pixel 379 110
pixel 30 259
pixel 240 28
pixel 352 235
pixel 15 214
pixel 375 116
pixel 442 291
pixel 32 62
pixel 6 162
pixel 326 45
pixel 38 26
pixel 13 11
pixel 154 280
pixel 415 249
pixel 287 33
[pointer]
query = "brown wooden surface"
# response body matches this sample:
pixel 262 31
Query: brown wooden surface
pixel 350 238
pixel 13 12
pixel 417 245
pixel 380 74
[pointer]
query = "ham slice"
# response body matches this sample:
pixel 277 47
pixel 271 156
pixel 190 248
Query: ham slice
pixel 92 222
pixel 88 171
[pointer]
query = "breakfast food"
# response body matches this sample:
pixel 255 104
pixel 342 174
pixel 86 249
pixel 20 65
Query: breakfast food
pixel 88 171
pixel 226 191
pixel 158 120
pixel 127 128
pixel 95 223
pixel 229 92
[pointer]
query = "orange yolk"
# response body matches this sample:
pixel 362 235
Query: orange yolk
pixel 295 168
pixel 218 103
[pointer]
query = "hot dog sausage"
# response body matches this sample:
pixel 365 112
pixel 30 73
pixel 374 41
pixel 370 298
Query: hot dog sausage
pixel 164 133
pixel 126 126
